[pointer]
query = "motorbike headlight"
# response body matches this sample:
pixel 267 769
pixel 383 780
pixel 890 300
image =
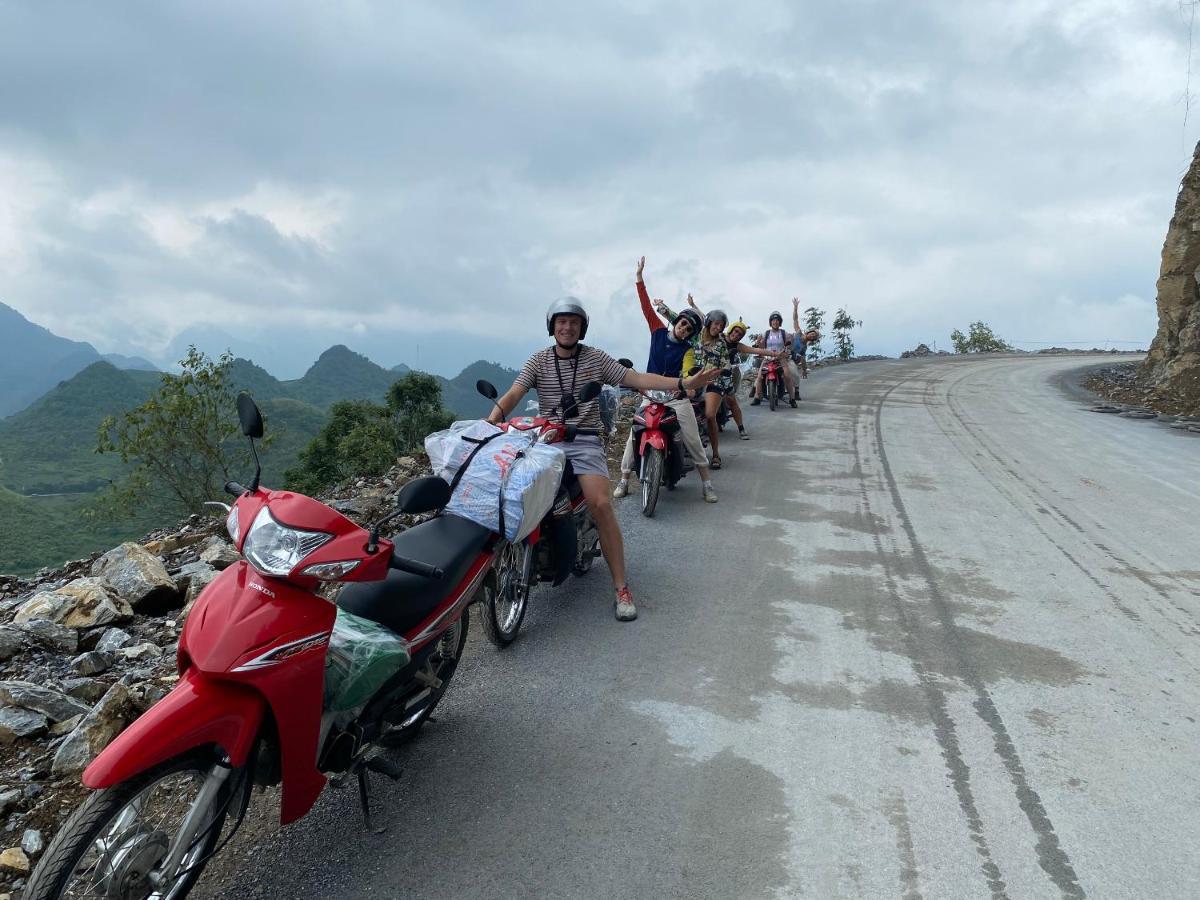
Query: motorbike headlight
pixel 276 549
pixel 232 526
pixel 661 396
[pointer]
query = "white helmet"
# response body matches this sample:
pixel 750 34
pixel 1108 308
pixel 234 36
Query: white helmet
pixel 566 306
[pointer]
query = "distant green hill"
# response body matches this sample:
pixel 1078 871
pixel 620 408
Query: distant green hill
pixel 47 531
pixel 47 449
pixel 34 359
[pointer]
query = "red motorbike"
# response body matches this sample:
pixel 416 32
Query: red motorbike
pixel 566 541
pixel 250 704
pixel 773 384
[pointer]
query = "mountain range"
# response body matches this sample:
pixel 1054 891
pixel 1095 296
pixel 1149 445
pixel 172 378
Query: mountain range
pixel 34 359
pixel 49 471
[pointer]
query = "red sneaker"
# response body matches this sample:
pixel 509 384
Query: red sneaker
pixel 624 608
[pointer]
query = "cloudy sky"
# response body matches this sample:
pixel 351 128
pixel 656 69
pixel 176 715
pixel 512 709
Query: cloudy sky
pixel 418 181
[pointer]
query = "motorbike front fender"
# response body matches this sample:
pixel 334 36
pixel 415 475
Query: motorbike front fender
pixel 199 712
pixel 653 439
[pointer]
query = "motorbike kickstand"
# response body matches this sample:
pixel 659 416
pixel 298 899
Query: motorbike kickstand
pixel 365 801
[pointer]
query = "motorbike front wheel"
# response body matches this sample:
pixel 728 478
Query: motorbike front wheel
pixel 506 594
pixel 116 841
pixel 652 476
pixel 773 394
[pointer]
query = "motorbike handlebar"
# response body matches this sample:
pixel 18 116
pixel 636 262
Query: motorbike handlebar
pixel 413 567
pixel 235 489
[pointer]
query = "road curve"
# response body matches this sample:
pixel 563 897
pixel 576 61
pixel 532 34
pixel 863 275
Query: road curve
pixel 939 639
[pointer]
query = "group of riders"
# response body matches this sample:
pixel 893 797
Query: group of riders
pixel 692 353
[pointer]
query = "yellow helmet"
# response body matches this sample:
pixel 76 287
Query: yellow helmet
pixel 738 324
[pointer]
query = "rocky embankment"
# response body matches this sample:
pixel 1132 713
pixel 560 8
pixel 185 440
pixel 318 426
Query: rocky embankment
pixel 85 649
pixel 1129 386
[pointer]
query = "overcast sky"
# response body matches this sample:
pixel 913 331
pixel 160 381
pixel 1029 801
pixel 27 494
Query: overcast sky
pixel 413 178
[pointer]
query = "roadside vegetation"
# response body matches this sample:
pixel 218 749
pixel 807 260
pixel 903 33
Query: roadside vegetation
pixel 363 438
pixel 978 339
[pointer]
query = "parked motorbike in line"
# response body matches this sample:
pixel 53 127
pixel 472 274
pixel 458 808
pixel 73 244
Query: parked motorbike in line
pixel 773 384
pixel 253 701
pixel 565 542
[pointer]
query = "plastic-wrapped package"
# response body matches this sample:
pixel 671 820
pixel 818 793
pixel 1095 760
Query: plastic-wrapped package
pixel 512 477
pixel 362 655
pixel 448 449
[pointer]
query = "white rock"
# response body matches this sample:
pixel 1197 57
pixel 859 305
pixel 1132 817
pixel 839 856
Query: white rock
pixel 218 553
pixel 32 842
pixel 49 702
pixel 51 635
pixel 84 603
pixel 114 639
pixel 19 723
pixel 141 651
pixel 94 733
pixel 135 575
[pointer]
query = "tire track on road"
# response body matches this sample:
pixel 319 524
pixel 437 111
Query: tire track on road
pixel 1013 495
pixel 1052 858
pixel 944 727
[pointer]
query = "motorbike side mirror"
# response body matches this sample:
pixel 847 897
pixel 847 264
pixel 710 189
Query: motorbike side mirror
pixel 487 389
pixel 248 416
pixel 423 495
pixel 590 391
pixel 568 406
pixel 627 363
pixel 693 370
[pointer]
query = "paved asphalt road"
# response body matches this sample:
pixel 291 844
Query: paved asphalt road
pixel 938 639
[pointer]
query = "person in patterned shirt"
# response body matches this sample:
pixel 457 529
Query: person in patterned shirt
pixel 564 369
pixel 710 349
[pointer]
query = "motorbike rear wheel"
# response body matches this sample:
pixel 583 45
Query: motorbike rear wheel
pixel 505 594
pixel 440 667
pixel 773 394
pixel 119 835
pixel 652 476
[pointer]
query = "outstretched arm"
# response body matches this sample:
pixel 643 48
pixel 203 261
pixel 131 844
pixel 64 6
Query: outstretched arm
pixel 644 381
pixel 756 351
pixel 644 297
pixel 796 314
pixel 692 304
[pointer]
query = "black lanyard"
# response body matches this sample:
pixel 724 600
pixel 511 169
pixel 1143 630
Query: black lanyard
pixel 562 389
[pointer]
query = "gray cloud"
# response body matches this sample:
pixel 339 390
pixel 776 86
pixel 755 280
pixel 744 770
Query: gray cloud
pixel 395 174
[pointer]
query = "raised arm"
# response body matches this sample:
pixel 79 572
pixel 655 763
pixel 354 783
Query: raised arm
pixel 796 315
pixel 652 320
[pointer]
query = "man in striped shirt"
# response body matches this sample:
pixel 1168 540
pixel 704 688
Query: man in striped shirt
pixel 563 370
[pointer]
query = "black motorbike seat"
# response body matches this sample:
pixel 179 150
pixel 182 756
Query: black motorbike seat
pixel 403 601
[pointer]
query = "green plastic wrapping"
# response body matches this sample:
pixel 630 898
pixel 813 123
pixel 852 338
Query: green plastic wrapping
pixel 362 655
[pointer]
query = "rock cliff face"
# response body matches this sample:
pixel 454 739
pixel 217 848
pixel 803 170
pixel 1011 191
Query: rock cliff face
pixel 1174 361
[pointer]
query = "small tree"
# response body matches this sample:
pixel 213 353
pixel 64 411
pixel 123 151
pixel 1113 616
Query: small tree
pixel 979 339
pixel 814 320
pixel 842 325
pixel 415 403
pixel 364 438
pixel 179 442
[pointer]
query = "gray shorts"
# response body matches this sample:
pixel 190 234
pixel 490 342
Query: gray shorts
pixel 586 454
